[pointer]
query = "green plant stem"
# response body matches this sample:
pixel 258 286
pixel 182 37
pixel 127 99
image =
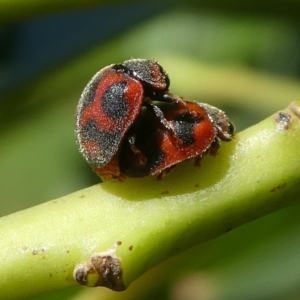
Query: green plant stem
pixel 148 221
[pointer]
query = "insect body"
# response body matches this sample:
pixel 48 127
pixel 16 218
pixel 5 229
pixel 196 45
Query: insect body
pixel 128 124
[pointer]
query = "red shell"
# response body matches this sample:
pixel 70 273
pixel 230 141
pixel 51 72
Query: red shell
pixel 159 149
pixel 128 124
pixel 104 114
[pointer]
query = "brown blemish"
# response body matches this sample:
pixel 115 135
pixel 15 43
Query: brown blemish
pixel 278 187
pixel 130 248
pixel 37 251
pixel 196 185
pixel 295 109
pixel 23 249
pixel 109 268
pixel 118 243
pixel 68 251
pixel 82 196
pixel 103 269
pixel 284 120
pixel 81 273
pixel 165 192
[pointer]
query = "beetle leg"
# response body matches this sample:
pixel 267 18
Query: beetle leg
pixel 131 138
pixel 166 97
pixel 214 147
pixel 169 98
pixel 197 160
pixel 131 141
pixel 164 173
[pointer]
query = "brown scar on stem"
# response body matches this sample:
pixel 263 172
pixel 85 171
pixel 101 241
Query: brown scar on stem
pixel 165 192
pixel 295 109
pixel 102 269
pixel 285 119
pixel 278 187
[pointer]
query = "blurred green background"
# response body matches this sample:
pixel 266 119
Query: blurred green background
pixel 244 59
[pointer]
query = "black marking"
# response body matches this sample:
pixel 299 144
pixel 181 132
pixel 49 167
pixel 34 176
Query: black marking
pixel 156 158
pixel 114 102
pixel 89 93
pixel 147 139
pixel 184 128
pixel 108 143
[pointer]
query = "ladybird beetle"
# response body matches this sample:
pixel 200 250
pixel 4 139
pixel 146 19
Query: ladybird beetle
pixel 149 149
pixel 128 124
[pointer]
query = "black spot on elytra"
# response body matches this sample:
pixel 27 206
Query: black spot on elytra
pixel 108 143
pixel 156 157
pixel 113 101
pixel 184 128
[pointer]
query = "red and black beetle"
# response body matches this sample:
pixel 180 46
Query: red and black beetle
pixel 128 124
